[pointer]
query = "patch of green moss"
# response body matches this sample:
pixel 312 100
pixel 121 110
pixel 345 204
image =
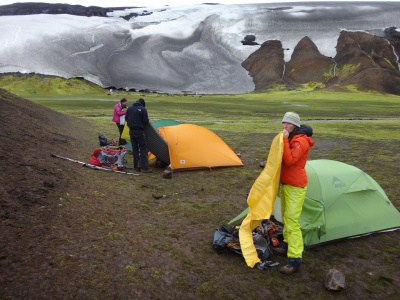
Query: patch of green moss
pixel 26 84
pixel 345 71
pixel 329 73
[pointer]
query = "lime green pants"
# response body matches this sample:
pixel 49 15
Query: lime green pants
pixel 292 199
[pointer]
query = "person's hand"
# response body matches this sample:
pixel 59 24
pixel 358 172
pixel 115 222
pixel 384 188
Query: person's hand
pixel 285 133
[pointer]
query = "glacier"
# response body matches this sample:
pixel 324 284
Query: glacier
pixel 178 48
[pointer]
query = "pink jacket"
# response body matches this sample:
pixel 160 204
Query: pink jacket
pixel 118 112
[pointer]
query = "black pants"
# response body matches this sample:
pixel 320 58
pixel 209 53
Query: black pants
pixel 121 142
pixel 139 149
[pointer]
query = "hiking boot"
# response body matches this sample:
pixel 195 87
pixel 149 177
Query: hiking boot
pixel 292 266
pixel 146 171
pixel 281 249
pixel 137 169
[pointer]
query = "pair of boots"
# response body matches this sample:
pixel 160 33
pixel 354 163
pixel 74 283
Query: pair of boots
pixel 293 263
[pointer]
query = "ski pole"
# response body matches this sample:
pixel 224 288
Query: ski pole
pixel 172 194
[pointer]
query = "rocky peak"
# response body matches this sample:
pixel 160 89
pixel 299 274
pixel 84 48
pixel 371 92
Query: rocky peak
pixel 266 64
pixel 308 64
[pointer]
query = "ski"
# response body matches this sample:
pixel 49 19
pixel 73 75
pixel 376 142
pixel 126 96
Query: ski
pixel 92 166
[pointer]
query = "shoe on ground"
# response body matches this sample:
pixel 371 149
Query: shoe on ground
pixel 292 266
pixel 146 171
pixel 281 249
pixel 137 169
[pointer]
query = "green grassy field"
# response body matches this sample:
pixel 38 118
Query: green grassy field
pixel 343 114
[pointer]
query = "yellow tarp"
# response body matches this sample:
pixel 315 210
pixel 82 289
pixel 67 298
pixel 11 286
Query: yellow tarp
pixel 261 200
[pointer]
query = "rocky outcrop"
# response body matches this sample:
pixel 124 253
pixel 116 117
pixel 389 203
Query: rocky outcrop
pixel 266 64
pixel 362 59
pixel 308 64
pixel 368 62
pixel 249 40
pixel 364 51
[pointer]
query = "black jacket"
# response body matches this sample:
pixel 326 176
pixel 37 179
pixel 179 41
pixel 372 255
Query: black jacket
pixel 136 115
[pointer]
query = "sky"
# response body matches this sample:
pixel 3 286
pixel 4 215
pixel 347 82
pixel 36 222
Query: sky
pixel 148 3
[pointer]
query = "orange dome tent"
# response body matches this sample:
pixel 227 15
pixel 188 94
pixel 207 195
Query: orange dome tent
pixel 191 146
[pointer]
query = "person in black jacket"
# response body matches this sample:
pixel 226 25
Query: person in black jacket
pixel 137 118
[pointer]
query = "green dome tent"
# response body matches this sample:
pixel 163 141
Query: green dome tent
pixel 164 122
pixel 342 201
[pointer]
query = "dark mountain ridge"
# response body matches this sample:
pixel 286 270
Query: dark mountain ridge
pixel 32 8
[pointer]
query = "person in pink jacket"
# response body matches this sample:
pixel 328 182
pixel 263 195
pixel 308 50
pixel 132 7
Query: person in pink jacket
pixel 293 187
pixel 120 111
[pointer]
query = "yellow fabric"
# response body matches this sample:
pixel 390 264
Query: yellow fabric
pixel 261 200
pixel 292 199
pixel 193 146
pixel 125 133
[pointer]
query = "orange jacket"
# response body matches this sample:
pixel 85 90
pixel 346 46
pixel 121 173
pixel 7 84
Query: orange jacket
pixel 294 160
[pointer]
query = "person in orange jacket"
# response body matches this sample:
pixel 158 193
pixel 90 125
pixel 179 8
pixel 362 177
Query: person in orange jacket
pixel 293 187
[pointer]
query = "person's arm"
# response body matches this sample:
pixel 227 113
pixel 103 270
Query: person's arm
pixel 145 117
pixel 127 115
pixel 120 111
pixel 291 155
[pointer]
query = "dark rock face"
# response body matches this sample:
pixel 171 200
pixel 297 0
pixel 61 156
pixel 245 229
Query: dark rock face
pixel 266 64
pixel 362 59
pixel 367 61
pixel 249 40
pixel 393 37
pixel 308 64
pixel 365 51
pixel 378 80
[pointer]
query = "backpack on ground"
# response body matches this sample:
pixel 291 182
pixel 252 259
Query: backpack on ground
pixel 103 141
pixel 265 236
pixel 113 158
